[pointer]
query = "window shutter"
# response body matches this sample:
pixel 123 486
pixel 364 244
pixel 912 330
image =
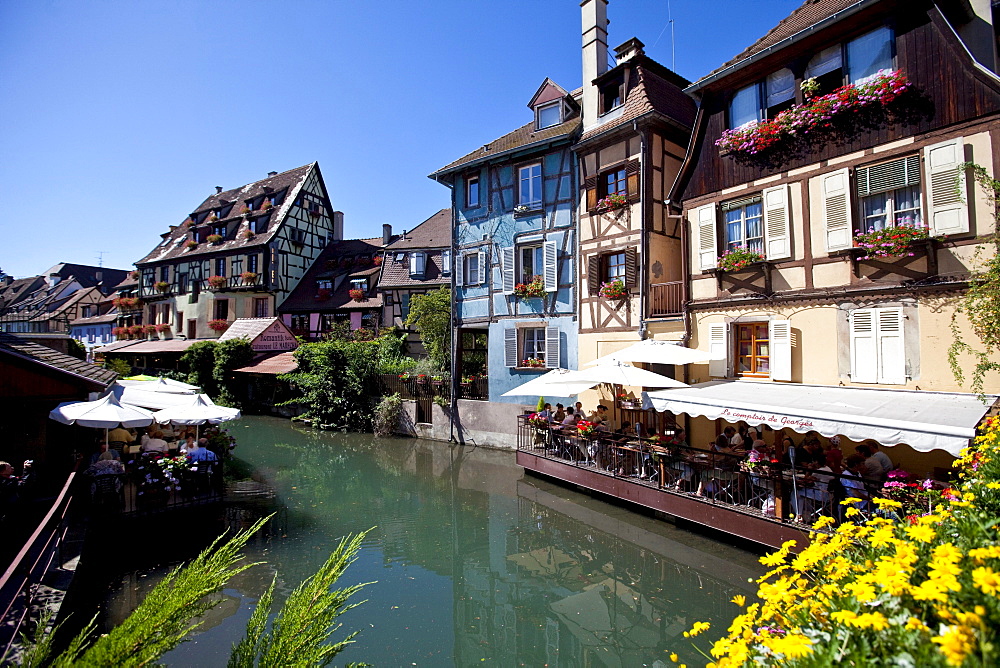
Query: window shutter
pixel 459 268
pixel 507 268
pixel 891 354
pixel 718 345
pixel 776 223
pixel 483 272
pixel 780 342
pixel 946 188
pixel 708 250
pixel 630 268
pixel 446 262
pixel 551 347
pixel 510 347
pixel 551 269
pixel 591 186
pixel 593 274
pixel 837 209
pixel 888 176
pixel 864 356
pixel 418 262
pixel 632 179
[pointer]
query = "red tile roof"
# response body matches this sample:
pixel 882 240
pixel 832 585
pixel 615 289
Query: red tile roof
pixel 272 364
pixel 520 138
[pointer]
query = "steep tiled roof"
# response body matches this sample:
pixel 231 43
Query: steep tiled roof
pixel 111 316
pixel 291 181
pixel 652 92
pixel 396 274
pixel 519 138
pixel 272 364
pixel 253 328
pixel 328 266
pixel 38 354
pixel 435 232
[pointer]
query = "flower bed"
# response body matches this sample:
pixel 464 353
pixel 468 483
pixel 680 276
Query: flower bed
pixel 739 258
pixel 533 363
pixel 218 325
pixel 890 241
pixel 898 589
pixel 614 289
pixel 817 114
pixel 534 289
pixel 357 294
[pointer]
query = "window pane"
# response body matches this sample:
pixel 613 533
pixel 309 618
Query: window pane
pixel 824 62
pixel 780 87
pixel 868 54
pixel 874 210
pixel 548 116
pixel 907 207
pixel 734 227
pixel 745 107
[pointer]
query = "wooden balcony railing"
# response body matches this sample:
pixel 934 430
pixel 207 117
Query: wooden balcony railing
pixel 665 299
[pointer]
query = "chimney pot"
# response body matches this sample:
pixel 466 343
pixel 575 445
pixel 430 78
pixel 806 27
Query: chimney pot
pixel 338 226
pixel 386 234
pixel 272 174
pixel 629 49
pixel 218 189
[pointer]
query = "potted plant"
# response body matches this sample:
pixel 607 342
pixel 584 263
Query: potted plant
pixel 190 243
pixel 187 223
pixel 249 277
pixel 421 379
pixel 149 329
pixel 405 376
pixel 214 239
pixel 739 258
pixel 437 379
pixel 533 363
pixel 266 205
pixel 119 332
pixel 521 208
pixel 218 325
pixel 357 294
pixel 378 260
pixel 889 241
pixel 216 282
pixel 247 234
pixel 134 330
pixel 614 289
pixel 534 289
pixel 244 210
pixel 587 429
pixel 163 328
pixel 134 274
pixel 468 380
pixel 612 202
pixel 161 286
pixel 212 218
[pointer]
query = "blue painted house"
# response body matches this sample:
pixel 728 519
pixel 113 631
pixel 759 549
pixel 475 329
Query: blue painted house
pixel 514 247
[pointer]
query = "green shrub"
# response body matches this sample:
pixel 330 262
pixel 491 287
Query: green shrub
pixel 387 415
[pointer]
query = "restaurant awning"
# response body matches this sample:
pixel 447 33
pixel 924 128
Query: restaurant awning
pixel 923 420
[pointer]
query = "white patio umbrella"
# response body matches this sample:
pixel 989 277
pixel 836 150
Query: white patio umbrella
pixel 656 352
pixel 198 411
pixel 619 374
pixel 161 384
pixel 105 413
pixel 134 395
pixel 550 383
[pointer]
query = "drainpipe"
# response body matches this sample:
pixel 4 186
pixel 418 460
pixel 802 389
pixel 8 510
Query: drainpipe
pixel 453 363
pixel 644 218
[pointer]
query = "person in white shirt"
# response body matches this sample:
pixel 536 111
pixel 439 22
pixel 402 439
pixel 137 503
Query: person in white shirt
pixel 155 443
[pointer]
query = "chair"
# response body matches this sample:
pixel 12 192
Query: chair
pixel 106 492
pixel 761 493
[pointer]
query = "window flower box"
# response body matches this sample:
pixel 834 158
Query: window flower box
pixel 377 260
pixel 468 380
pixel 612 202
pixel 533 363
pixel 247 234
pixel 218 325
pixel 739 258
pixel 126 303
pixel 187 223
pixel 249 277
pixel 614 289
pixel 214 239
pixel 421 379
pixel 244 210
pixel 161 286
pixel 217 282
pixel 405 376
pixel 190 243
pixel 533 290
pixel 266 205
pixel 357 294
pixel 212 218
pixel 162 328
pixel 819 113
pixel 119 332
pixel 134 275
pixel 437 380
pixel 889 241
pixel 134 330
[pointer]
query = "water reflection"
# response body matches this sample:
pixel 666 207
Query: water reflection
pixel 474 562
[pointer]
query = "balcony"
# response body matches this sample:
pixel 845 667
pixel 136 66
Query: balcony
pixel 666 299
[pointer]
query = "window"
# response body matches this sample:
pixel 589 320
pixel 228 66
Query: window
pixel 220 266
pixel 534 344
pixel 88 310
pixel 404 306
pixel 529 185
pixel 869 54
pixel 165 273
pixel 222 309
pixel 889 194
pixel 745 107
pixel 220 230
pixel 827 68
pixel 744 224
pixel 446 262
pixel 300 323
pixel 324 285
pixel 182 283
pixel 471 269
pixel 252 263
pixel 531 343
pixel 614 266
pixel 359 284
pixel 877 351
pixel 523 264
pixel 614 182
pixel 532 263
pixel 611 95
pixel 779 92
pixel 548 115
pixel 472 191
pixel 753 355
pixel 260 307
pixel 165 314
pixel 418 264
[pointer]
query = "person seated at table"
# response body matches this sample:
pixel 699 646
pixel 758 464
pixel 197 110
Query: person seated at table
pixel 871 468
pixel 626 431
pixel 735 437
pixel 578 409
pixel 571 418
pixel 156 443
pixel 879 456
pixel 104 453
pixel 147 434
pixel 853 486
pixel 834 455
pixel 202 453
pixel 546 412
pixel 560 414
pixel 722 440
pixel 815 489
pixel 189 444
pixel 119 438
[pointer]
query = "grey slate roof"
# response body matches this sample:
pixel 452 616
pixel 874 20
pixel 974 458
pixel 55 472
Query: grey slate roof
pixel 15 346
pixel 435 232
pixel 520 138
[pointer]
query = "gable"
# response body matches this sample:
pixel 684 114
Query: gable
pixel 547 92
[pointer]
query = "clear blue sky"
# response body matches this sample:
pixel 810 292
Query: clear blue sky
pixel 118 118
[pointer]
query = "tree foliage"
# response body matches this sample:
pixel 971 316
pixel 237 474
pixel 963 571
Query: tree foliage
pixel 431 314
pixel 77 349
pixel 199 359
pixel 118 365
pixel 210 365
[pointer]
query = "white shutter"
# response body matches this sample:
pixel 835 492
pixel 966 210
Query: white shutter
pixel 891 354
pixel 418 263
pixel 718 345
pixel 483 272
pixel 837 209
pixel 446 262
pixel 507 269
pixel 777 217
pixel 510 347
pixel 551 347
pixel 946 188
pixel 551 270
pixel 703 218
pixel 864 352
pixel 780 342
pixel 459 268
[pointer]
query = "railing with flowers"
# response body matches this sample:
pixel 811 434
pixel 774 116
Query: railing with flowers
pixel 162 287
pixel 216 282
pixel 741 257
pixel 531 290
pixel 127 303
pixel 218 325
pixel 819 113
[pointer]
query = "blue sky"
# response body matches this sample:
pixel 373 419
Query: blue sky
pixel 119 118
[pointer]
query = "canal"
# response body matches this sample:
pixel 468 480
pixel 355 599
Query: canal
pixel 473 562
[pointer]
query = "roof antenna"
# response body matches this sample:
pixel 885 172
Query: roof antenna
pixel 673 53
pixel 100 258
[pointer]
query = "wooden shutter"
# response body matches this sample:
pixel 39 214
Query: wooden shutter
pixel 837 210
pixel 510 347
pixel 591 186
pixel 887 176
pixel 703 219
pixel 864 353
pixel 946 187
pixel 551 267
pixel 891 354
pixel 632 179
pixel 459 268
pixel 630 268
pixel 718 345
pixel 593 274
pixel 507 269
pixel 483 275
pixel 551 347
pixel 780 343
pixel 777 217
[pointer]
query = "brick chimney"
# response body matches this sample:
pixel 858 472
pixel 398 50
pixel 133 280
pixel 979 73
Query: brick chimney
pixel 594 19
pixel 338 226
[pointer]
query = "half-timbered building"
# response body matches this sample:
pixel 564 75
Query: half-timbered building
pixel 239 254
pixel 849 121
pixel 513 247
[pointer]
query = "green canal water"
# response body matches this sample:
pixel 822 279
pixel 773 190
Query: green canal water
pixel 473 562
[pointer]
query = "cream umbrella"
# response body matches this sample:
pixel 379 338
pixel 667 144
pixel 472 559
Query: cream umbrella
pixel 650 351
pixel 617 373
pixel 200 410
pixel 104 413
pixel 551 383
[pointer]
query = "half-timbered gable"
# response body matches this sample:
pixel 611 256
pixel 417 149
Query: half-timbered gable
pixel 239 254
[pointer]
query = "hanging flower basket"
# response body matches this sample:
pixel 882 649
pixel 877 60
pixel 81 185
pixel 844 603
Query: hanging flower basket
pixel 818 113
pixel 614 289
pixel 214 238
pixel 249 277
pixel 161 286
pixel 533 363
pixel 739 258
pixel 190 243
pixel 217 282
pixel 533 290
pixel 162 328
pixel 889 242
pixel 612 202
pixel 218 325
pixel 357 294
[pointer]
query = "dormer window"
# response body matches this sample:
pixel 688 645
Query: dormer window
pixel 324 285
pixel 612 94
pixel 219 230
pixel 359 284
pixel 418 264
pixel 548 115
